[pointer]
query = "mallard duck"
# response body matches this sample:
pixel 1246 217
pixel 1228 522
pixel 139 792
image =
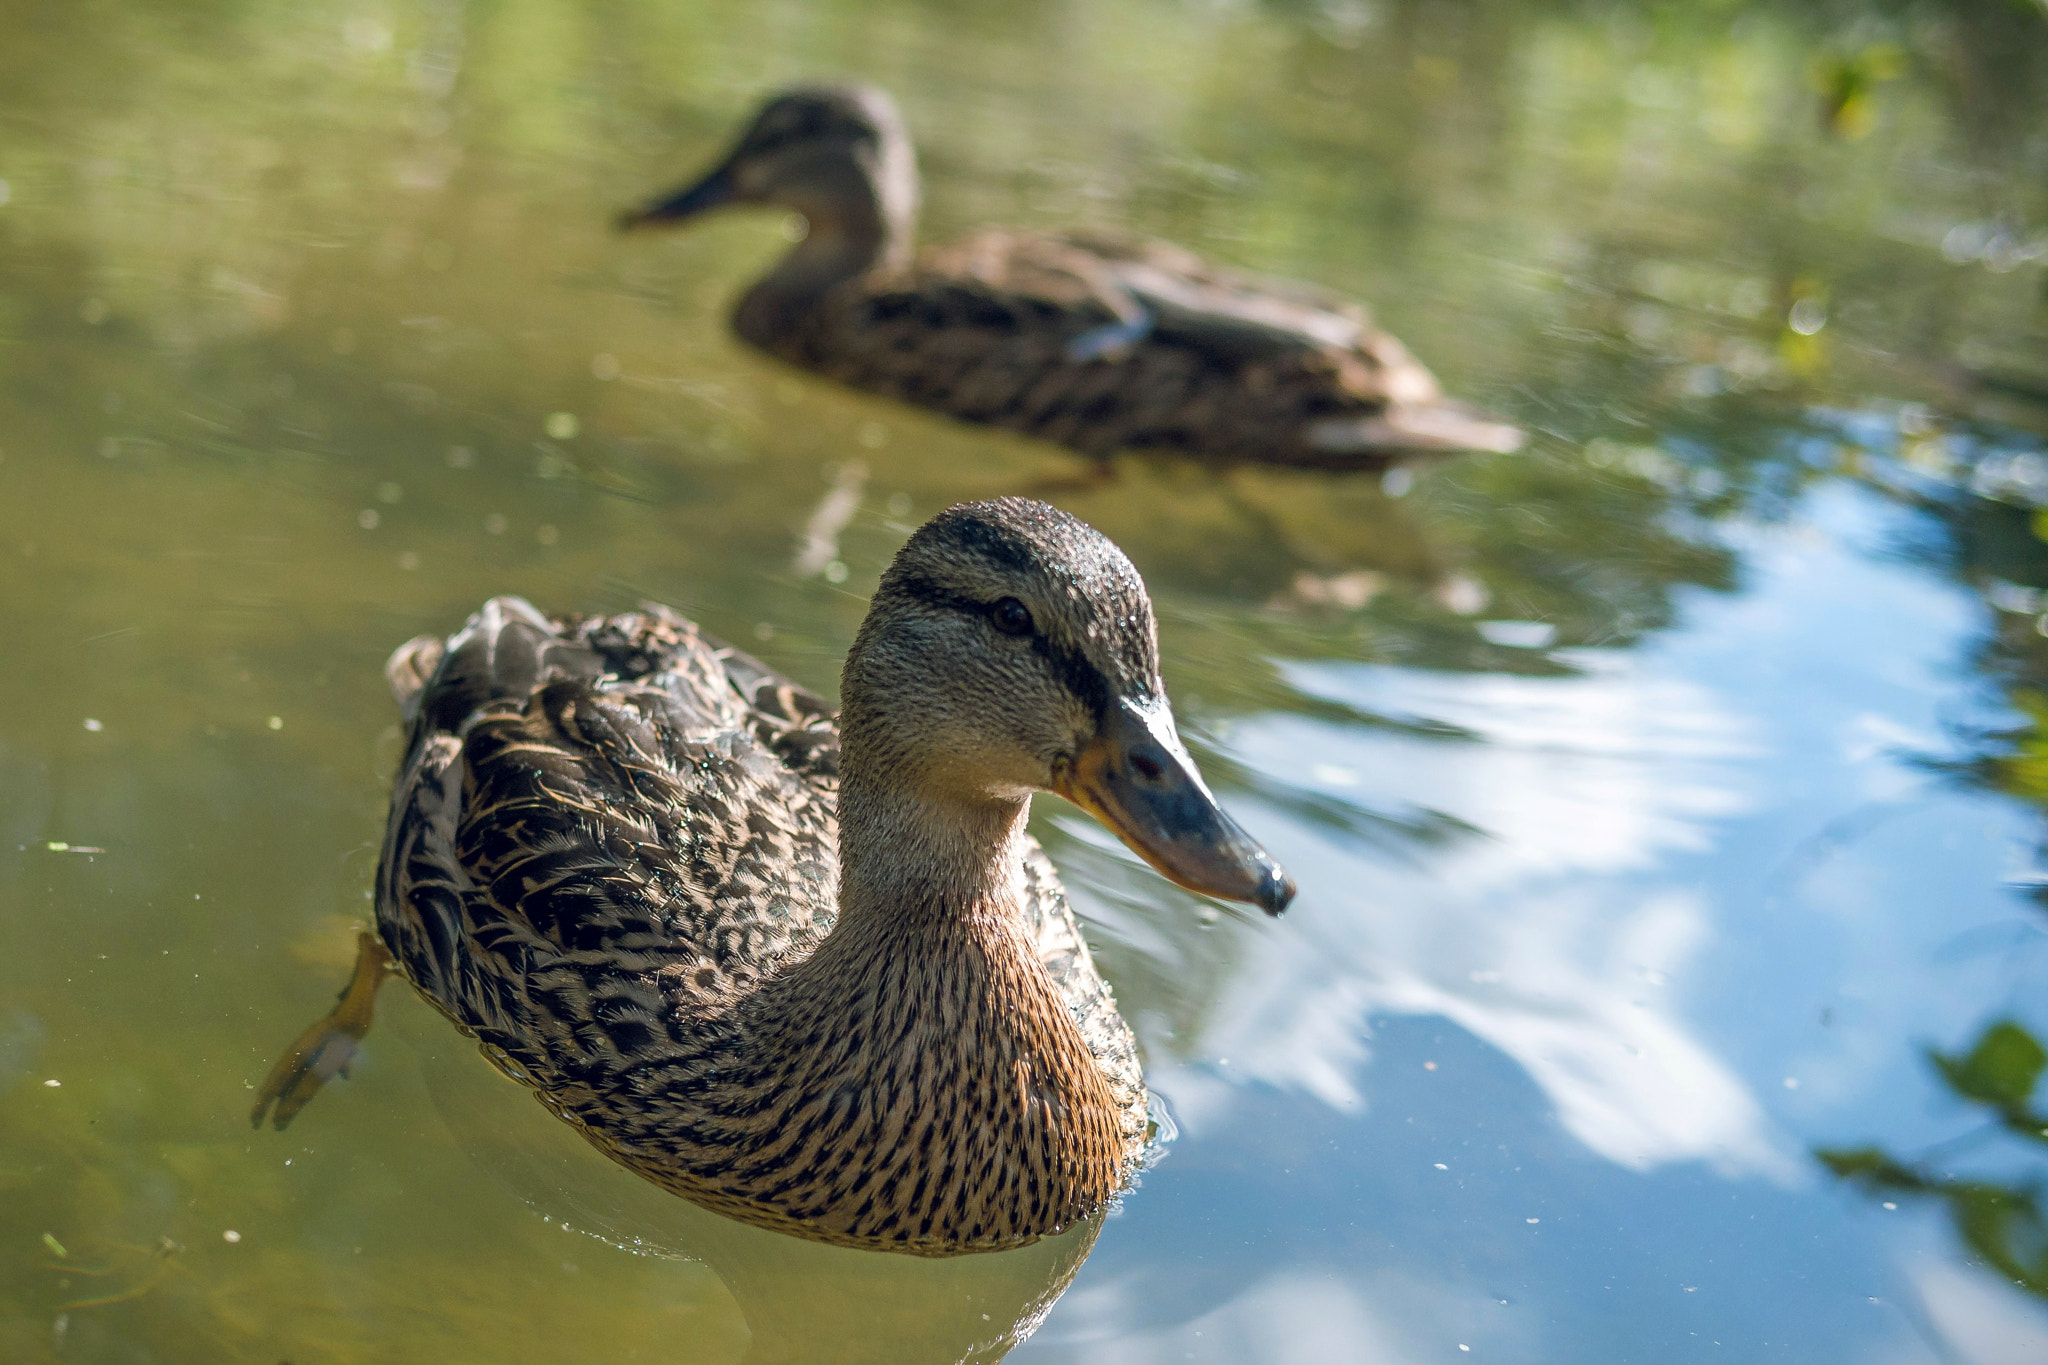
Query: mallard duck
pixel 1096 342
pixel 815 976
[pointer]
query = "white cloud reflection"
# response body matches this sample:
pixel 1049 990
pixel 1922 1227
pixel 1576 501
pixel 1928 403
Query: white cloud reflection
pixel 1299 1317
pixel 1976 1318
pixel 1551 934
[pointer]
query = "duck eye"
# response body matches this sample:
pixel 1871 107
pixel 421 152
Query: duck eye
pixel 1010 616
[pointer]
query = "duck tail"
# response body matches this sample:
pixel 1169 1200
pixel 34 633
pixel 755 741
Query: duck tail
pixel 505 650
pixel 1411 429
pixel 410 668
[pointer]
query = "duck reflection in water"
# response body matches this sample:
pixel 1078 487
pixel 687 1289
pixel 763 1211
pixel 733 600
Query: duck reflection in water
pixel 814 976
pixel 1093 341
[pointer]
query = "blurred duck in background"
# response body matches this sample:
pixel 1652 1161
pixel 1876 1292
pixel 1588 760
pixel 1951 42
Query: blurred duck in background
pixel 1096 342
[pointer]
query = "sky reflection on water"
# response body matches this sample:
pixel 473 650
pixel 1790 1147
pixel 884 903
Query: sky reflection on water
pixel 1664 922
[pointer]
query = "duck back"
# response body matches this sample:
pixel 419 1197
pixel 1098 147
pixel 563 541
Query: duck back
pixel 1103 344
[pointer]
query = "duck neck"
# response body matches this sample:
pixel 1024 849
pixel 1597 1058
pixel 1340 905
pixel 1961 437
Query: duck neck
pixel 911 861
pixel 858 221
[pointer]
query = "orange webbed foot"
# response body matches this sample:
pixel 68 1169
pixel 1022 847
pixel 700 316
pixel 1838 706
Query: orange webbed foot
pixel 327 1049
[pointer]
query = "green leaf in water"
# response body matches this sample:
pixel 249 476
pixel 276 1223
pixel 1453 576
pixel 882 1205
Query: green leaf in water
pixel 1871 1166
pixel 2000 1070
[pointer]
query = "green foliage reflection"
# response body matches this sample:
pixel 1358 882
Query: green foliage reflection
pixel 2001 1221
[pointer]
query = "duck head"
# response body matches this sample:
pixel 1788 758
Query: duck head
pixel 837 154
pixel 1010 649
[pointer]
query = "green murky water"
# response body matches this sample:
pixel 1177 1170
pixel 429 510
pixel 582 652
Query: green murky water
pixel 1658 795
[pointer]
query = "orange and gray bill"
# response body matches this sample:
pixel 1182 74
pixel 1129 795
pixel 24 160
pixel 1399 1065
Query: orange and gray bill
pixel 1135 777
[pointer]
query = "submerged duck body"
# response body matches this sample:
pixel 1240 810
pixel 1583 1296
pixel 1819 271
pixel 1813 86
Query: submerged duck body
pixel 1098 342
pixel 813 975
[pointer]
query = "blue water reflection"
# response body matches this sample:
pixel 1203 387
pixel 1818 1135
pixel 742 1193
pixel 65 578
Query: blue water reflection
pixel 1561 1076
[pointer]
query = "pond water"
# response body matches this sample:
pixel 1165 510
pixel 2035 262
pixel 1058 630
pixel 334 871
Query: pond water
pixel 1660 796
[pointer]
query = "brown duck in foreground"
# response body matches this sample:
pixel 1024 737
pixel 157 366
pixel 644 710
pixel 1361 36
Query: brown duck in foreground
pixel 1095 342
pixel 816 977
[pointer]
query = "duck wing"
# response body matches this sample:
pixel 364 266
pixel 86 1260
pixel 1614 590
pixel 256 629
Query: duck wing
pixel 1104 343
pixel 606 829
pixel 1230 314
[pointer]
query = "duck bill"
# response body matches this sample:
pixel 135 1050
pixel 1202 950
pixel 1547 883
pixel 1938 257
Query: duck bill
pixel 714 190
pixel 1135 777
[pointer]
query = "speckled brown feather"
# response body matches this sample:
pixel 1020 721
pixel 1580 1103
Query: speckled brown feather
pixel 612 858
